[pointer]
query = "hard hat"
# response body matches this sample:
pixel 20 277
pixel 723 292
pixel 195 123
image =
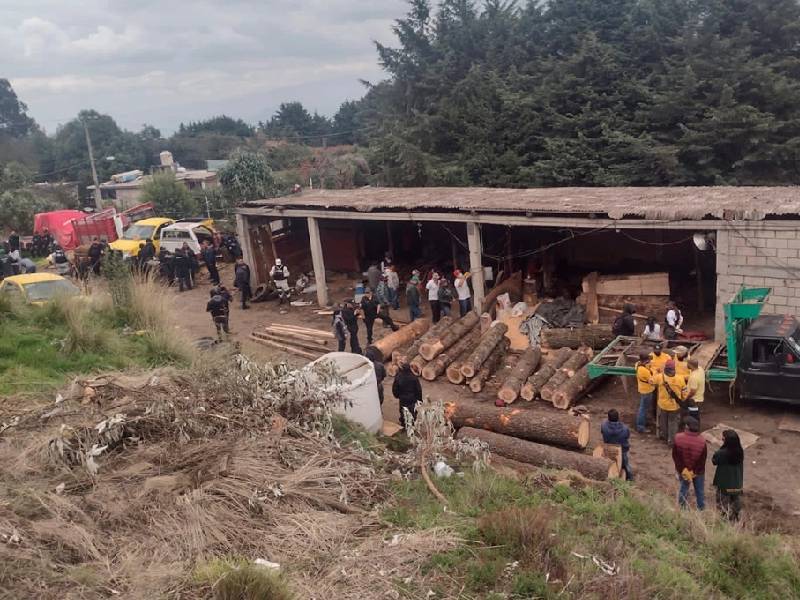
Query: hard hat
pixel 278 262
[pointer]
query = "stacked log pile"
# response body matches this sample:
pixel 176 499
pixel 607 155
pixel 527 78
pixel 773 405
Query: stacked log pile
pixel 302 341
pixel 410 352
pixel 533 436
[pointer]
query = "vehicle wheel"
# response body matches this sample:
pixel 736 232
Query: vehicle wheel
pixel 260 294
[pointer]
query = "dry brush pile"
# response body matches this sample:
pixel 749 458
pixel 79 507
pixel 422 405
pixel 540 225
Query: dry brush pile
pixel 129 484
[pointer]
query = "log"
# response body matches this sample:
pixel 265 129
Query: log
pixel 566 395
pixel 473 362
pixel 413 350
pixel 542 455
pixel 540 425
pixel 486 322
pixel 592 310
pixel 579 358
pixel 404 335
pixel 298 343
pixel 512 285
pixel 392 369
pixel 434 347
pixel 461 348
pixel 314 333
pixel 490 366
pixel 323 340
pixel 537 381
pixel 417 364
pixel 286 348
pixel 594 336
pixel 526 365
pixel 612 452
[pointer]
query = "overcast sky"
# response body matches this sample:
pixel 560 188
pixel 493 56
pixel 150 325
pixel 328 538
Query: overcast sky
pixel 163 62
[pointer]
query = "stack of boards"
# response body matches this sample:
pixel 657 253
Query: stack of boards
pixel 302 341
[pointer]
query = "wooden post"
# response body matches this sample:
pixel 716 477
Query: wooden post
pixel 389 239
pixel 318 261
pixel 476 264
pixel 243 231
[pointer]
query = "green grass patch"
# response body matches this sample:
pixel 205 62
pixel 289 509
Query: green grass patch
pixel 233 578
pixel 521 536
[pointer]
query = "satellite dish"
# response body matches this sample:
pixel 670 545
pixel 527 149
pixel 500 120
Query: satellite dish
pixel 700 241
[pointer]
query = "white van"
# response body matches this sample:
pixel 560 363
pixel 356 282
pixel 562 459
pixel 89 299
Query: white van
pixel 192 232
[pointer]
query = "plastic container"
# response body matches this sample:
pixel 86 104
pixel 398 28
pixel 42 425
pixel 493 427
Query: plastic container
pixel 360 389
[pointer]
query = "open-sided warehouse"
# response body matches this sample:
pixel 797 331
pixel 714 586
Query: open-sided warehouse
pixel 752 236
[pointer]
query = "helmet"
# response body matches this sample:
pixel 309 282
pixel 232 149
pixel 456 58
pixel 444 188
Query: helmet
pixel 278 262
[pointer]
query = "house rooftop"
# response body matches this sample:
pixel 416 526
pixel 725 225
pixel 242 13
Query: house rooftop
pixel 652 203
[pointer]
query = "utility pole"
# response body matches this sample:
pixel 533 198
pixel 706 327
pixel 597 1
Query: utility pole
pixel 98 198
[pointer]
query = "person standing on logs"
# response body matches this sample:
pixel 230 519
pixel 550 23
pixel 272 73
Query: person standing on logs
pixel 241 281
pixel 729 476
pixel 645 384
pixel 408 391
pixel 689 455
pixel 433 297
pixel 412 298
pixel 351 322
pixel 615 432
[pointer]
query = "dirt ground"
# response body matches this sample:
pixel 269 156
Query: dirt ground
pixel 772 482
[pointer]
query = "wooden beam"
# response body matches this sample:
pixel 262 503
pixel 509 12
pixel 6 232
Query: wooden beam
pixel 318 261
pixel 476 265
pixel 246 242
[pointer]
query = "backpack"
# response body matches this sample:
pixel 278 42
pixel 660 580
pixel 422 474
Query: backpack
pixel 618 326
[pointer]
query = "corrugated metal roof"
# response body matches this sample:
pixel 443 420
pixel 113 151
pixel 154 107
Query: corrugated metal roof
pixel 656 203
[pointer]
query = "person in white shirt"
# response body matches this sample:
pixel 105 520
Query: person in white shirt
pixel 652 330
pixel 393 282
pixel 433 297
pixel 674 321
pixel 464 294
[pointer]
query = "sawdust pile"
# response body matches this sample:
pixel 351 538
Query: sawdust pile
pixel 129 483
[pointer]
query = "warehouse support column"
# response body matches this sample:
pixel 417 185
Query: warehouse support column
pixel 318 262
pixel 243 231
pixel 476 264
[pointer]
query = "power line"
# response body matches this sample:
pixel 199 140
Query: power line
pixel 648 243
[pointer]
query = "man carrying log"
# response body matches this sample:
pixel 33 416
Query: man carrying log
pixel 615 432
pixel 408 391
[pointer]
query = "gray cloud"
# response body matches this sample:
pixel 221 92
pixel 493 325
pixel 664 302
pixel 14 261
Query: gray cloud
pixel 149 61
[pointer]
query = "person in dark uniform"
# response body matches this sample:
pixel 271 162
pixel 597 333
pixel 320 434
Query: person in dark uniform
pixel 36 244
pixel 183 270
pixel 339 329
pixel 372 310
pixel 13 241
pixel 219 308
pixel 47 242
pixel 95 255
pixel 209 254
pixel 241 281
pixel 625 324
pixel 376 359
pixel 351 322
pixel 147 253
pixel 408 391
pixel 166 266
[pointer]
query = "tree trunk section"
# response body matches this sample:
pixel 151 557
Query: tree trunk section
pixel 486 322
pixel 527 363
pixel 434 347
pixel 413 350
pixel 555 360
pixel 512 285
pixel 489 341
pixel 594 336
pixel 548 427
pixel 542 455
pixel 490 366
pixel 579 358
pixel 465 345
pixel 566 395
pixel 392 369
pixel 405 335
pixel 612 452
pixel 417 364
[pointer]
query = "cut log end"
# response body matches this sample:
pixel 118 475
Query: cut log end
pixel 454 375
pixel 584 430
pixel 468 371
pixel 429 351
pixel 429 372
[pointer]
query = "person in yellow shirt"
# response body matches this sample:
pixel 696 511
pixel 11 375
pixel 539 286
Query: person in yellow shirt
pixel 671 394
pixel 681 361
pixel 695 388
pixel 646 386
pixel 658 359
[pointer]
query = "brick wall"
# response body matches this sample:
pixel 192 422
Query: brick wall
pixel 759 255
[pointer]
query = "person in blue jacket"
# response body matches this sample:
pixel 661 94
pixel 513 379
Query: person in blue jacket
pixel 616 432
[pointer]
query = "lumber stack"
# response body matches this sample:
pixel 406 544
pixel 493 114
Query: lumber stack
pixel 649 292
pixel 496 358
pixel 526 365
pixel 410 352
pixel 435 346
pixel 302 341
pixel 572 365
pixel 596 337
pixel 533 387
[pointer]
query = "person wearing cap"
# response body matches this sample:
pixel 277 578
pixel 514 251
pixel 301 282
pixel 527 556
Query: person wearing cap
pixel 645 384
pixel 671 394
pixel 681 361
pixel 695 388
pixel 412 298
pixel 462 291
pixel 689 454
pixel 658 358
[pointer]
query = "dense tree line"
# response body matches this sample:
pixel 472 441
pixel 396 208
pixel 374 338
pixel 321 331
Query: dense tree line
pixel 589 92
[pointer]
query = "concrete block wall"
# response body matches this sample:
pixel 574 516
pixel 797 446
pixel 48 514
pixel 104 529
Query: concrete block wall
pixel 764 254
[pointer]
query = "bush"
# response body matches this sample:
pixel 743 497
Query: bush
pixel 85 332
pixel 239 579
pixel 169 196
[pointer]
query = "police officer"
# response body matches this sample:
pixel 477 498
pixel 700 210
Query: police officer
pixel 351 322
pixel 209 254
pixel 280 275
pixel 219 308
pixel 241 281
pixel 183 270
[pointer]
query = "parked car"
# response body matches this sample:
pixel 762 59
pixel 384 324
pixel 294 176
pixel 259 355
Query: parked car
pixel 192 232
pixel 37 288
pixel 137 233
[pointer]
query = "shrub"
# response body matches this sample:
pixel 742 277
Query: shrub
pixel 239 579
